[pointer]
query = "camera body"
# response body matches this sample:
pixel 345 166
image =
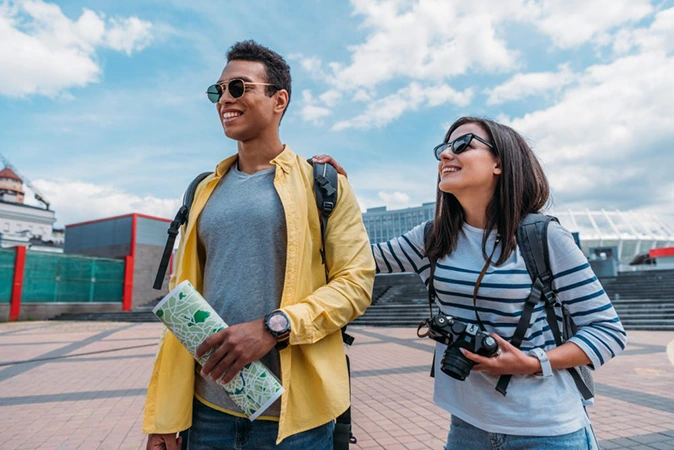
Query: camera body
pixel 456 335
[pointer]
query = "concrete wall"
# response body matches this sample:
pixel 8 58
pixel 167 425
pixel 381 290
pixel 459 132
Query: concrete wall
pixel 145 266
pixel 42 311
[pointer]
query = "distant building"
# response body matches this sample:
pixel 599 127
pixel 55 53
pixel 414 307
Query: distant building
pixel 137 238
pixel 631 234
pixel 22 224
pixel 383 225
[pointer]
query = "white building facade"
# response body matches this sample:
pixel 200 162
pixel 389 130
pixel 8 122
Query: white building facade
pixel 22 224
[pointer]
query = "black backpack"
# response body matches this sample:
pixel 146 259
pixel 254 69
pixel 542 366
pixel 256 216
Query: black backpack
pixel 325 191
pixel 532 239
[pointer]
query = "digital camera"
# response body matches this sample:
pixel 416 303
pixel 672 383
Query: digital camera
pixel 455 334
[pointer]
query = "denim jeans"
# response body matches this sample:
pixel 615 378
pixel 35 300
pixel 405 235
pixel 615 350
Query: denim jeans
pixel 464 436
pixel 212 429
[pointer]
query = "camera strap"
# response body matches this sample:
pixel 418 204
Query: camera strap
pixel 479 281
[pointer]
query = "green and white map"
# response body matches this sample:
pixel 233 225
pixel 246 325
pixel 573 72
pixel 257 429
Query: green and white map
pixel 191 319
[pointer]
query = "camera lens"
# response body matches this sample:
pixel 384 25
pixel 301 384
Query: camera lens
pixel 455 364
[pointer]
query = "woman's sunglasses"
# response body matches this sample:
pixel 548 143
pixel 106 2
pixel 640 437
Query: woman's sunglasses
pixel 236 88
pixel 459 144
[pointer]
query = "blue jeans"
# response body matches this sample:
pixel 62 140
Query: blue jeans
pixel 464 436
pixel 212 429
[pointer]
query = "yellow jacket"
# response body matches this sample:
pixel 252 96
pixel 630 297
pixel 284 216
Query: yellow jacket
pixel 313 366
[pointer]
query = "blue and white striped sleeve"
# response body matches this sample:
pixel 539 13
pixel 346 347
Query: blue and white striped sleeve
pixel 402 254
pixel 601 334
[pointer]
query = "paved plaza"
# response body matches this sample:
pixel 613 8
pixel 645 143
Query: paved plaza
pixel 81 385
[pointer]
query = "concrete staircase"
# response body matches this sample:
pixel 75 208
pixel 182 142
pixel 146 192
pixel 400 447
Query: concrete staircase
pixel 644 301
pixel 141 313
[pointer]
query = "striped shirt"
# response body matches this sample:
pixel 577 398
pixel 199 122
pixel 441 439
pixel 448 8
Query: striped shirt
pixel 533 406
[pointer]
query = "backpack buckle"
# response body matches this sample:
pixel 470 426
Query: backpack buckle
pixel 328 207
pixel 550 297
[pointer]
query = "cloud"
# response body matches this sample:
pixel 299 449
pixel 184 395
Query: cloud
pixel 395 199
pixel 424 40
pixel 525 85
pixel 44 52
pixel 128 35
pixel 76 201
pixel 383 111
pixel 310 110
pixel 606 142
pixel 571 23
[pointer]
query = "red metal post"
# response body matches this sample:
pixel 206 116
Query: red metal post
pixel 17 286
pixel 128 284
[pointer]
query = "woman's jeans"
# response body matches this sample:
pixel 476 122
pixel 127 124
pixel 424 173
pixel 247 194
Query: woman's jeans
pixel 212 429
pixel 464 436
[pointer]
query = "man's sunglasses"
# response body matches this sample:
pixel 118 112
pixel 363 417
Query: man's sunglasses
pixel 459 144
pixel 236 88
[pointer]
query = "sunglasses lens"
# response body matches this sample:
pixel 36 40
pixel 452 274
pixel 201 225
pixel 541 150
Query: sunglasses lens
pixel 214 92
pixel 461 143
pixel 236 88
pixel 439 149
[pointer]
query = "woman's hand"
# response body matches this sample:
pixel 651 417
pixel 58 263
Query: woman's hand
pixel 323 159
pixel 511 360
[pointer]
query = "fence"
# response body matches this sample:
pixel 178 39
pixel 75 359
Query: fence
pixel 32 277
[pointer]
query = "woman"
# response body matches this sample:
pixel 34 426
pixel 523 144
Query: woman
pixel 489 180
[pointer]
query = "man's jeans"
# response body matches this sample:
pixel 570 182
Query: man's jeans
pixel 212 429
pixel 464 436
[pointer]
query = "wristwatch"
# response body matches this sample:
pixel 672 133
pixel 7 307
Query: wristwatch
pixel 278 325
pixel 540 355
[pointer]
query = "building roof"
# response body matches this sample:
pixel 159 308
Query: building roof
pixel 9 173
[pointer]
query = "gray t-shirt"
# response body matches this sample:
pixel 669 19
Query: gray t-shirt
pixel 242 233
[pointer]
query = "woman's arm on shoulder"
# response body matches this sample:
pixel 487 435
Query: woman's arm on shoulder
pixel 403 253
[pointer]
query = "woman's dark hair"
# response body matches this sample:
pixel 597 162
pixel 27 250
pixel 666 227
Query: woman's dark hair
pixel 521 189
pixel 276 68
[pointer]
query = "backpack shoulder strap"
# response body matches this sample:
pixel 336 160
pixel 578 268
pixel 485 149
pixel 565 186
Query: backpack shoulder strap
pixel 532 240
pixel 181 218
pixel 325 191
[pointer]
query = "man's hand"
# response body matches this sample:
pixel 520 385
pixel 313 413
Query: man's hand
pixel 511 360
pixel 233 348
pixel 327 159
pixel 168 441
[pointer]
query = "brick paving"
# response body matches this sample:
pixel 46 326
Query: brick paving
pixel 95 400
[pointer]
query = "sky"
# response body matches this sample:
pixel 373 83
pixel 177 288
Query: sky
pixel 103 105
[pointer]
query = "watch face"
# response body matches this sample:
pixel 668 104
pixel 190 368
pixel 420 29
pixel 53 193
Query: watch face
pixel 278 323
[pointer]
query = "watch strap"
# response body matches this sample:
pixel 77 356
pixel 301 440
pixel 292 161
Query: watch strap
pixel 542 357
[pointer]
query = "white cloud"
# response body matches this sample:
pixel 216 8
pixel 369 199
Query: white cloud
pixel 525 85
pixel 76 201
pixel 44 52
pixel 382 111
pixel 425 40
pixel 606 142
pixel 362 96
pixel 128 35
pixel 658 37
pixel 310 111
pixel 331 97
pixel 395 200
pixel 571 23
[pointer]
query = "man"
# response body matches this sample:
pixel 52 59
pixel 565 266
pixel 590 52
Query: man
pixel 251 247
